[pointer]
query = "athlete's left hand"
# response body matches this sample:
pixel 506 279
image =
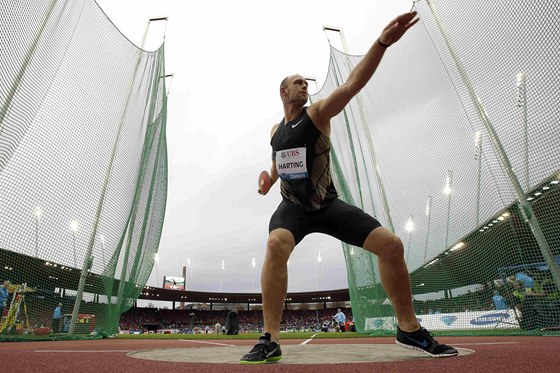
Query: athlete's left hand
pixel 397 28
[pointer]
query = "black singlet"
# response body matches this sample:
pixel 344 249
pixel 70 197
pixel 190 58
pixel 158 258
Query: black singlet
pixel 302 155
pixel 309 198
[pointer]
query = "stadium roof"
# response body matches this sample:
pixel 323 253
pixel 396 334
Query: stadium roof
pixel 53 275
pixel 480 256
pixel 476 259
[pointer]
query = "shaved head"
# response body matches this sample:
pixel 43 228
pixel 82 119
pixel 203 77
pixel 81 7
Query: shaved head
pixel 288 79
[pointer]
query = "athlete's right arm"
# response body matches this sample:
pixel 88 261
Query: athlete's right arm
pixel 273 171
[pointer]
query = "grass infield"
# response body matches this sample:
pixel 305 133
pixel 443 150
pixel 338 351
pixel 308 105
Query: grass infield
pixel 283 335
pixel 295 335
pixel 323 335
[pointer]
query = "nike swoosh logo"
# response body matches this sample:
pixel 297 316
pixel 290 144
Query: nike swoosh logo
pixel 295 125
pixel 272 352
pixel 422 343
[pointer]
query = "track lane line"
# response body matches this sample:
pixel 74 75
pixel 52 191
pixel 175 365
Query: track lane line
pixel 210 343
pixel 307 341
pixel 82 351
pixel 483 343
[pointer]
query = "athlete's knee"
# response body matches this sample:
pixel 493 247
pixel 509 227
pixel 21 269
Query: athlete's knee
pixel 392 248
pixel 385 245
pixel 280 245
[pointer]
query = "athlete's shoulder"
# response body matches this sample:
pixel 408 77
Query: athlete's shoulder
pixel 274 129
pixel 314 113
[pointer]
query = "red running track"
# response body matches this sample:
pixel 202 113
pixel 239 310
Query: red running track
pixel 493 354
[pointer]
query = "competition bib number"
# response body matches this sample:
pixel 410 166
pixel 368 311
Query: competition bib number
pixel 291 164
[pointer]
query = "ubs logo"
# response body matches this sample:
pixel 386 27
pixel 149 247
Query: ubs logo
pixel 289 153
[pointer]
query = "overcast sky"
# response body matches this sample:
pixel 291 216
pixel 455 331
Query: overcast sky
pixel 228 58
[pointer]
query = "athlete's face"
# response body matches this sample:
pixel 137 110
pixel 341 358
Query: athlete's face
pixel 296 90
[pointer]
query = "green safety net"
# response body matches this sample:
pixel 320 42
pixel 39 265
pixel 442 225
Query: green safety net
pixel 453 146
pixel 83 168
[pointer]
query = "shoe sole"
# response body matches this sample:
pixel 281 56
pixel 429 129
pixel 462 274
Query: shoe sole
pixel 267 361
pixel 409 347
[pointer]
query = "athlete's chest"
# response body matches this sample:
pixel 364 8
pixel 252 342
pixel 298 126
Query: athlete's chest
pixel 294 134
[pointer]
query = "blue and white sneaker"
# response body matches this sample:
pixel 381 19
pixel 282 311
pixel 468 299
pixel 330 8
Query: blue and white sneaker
pixel 423 340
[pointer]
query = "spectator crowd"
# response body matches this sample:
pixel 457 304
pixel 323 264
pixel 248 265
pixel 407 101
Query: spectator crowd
pixel 144 320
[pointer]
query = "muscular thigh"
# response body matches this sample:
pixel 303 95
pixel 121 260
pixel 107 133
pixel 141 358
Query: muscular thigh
pixel 290 217
pixel 345 222
pixel 341 220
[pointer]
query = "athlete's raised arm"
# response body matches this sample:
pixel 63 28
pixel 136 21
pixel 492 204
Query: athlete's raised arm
pixel 322 111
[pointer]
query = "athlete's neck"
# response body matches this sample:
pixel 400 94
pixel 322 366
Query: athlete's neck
pixel 291 112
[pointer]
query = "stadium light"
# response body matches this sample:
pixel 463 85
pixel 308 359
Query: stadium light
pixel 448 182
pixel 409 228
pixel 458 246
pixel 432 263
pixel 410 224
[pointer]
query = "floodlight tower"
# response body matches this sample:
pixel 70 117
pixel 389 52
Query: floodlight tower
pixel 156 260
pixel 478 157
pixel 521 84
pixel 429 215
pixel 103 250
pixel 74 229
pixel 447 190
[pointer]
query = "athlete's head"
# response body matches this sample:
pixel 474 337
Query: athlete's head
pixel 293 90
